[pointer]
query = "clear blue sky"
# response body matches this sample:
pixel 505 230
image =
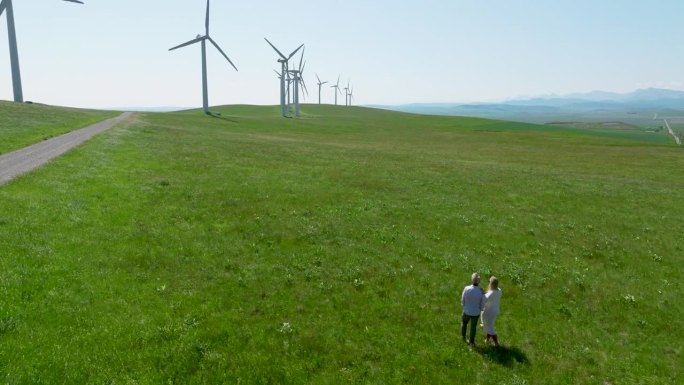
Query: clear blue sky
pixel 114 53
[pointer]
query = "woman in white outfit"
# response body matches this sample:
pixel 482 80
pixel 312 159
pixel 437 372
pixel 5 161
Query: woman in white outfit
pixel 491 309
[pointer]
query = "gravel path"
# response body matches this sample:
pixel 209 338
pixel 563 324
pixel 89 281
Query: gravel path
pixel 676 138
pixel 22 161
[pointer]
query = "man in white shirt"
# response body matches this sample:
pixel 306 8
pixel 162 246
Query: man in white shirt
pixel 473 301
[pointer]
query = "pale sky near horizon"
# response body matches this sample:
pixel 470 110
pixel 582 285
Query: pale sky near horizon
pixel 108 54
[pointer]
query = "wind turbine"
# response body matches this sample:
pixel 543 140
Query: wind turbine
pixel 288 80
pixel 337 88
pixel 6 5
pixel 284 70
pixel 346 94
pixel 320 84
pixel 351 95
pixel 298 80
pixel 203 40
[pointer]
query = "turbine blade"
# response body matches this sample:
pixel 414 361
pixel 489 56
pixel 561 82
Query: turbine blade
pixel 71 1
pixel 301 58
pixel 222 53
pixel 338 80
pixel 276 49
pixel 304 86
pixel 319 79
pixel 294 52
pixel 2 7
pixel 193 41
pixel 206 23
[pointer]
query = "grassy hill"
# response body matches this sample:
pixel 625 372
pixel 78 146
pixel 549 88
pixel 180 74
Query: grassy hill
pixel 332 249
pixel 24 124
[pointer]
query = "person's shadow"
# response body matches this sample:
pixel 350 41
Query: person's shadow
pixel 503 355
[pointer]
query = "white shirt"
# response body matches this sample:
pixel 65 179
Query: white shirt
pixel 472 300
pixel 492 299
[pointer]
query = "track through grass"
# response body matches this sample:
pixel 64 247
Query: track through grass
pixel 22 125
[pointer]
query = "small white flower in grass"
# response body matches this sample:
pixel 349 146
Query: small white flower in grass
pixel 285 328
pixel 629 299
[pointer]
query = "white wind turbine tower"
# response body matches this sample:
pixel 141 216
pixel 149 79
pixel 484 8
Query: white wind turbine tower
pixel 346 94
pixel 288 87
pixel 337 88
pixel 320 84
pixel 298 81
pixel 284 71
pixel 288 81
pixel 6 6
pixel 203 40
pixel 351 95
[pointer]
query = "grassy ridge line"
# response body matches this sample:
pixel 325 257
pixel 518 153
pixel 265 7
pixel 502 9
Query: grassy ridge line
pixel 24 124
pixel 188 249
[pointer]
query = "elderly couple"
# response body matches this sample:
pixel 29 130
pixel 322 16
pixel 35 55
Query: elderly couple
pixel 475 303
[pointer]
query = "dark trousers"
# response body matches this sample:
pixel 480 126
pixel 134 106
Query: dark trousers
pixel 473 326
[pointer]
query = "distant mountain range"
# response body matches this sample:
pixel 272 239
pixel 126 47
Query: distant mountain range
pixel 645 98
pixel 592 106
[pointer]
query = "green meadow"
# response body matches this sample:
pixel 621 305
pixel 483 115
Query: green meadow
pixel 24 124
pixel 245 248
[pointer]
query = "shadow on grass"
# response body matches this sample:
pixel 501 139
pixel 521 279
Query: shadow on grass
pixel 218 115
pixel 503 355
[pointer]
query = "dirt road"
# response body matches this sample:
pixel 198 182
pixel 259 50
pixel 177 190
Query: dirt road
pixel 22 161
pixel 676 138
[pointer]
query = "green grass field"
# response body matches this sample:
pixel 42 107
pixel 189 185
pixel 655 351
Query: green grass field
pixel 331 249
pixel 24 124
pixel 619 130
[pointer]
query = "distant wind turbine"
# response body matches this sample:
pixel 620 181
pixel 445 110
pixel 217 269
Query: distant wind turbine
pixel 320 84
pixel 284 70
pixel 288 81
pixel 337 88
pixel 288 87
pixel 203 40
pixel 6 5
pixel 351 95
pixel 346 94
pixel 298 82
